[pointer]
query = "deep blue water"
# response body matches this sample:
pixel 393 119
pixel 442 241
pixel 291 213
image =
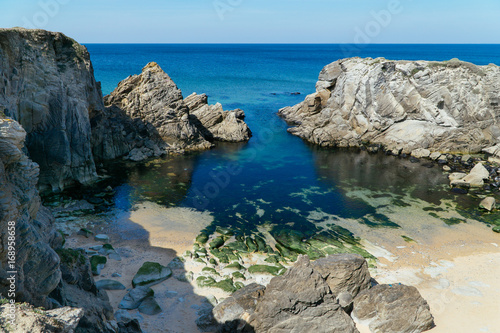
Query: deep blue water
pixel 276 177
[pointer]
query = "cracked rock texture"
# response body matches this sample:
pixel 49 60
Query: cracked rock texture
pixel 450 106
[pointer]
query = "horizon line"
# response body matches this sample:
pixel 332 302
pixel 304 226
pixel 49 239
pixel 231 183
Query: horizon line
pixel 279 43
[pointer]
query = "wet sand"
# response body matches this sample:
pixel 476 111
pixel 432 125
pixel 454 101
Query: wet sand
pixel 456 268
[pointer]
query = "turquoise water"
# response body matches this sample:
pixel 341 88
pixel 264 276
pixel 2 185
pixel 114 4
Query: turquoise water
pixel 276 178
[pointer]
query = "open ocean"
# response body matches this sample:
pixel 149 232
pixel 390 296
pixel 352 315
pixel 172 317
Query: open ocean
pixel 279 179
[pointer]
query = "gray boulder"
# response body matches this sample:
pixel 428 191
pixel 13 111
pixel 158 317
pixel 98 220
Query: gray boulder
pixel 108 284
pixel 299 301
pixel 344 273
pixel 393 309
pixel 402 105
pixel 235 310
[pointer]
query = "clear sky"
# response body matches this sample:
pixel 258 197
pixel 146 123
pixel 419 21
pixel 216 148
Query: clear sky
pixel 260 21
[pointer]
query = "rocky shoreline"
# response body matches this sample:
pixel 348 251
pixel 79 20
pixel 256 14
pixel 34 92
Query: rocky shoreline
pixel 57 130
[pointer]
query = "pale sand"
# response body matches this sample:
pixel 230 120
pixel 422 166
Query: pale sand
pixel 456 268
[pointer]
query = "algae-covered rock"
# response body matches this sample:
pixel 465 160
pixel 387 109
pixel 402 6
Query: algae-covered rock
pixel 223 258
pixel 106 249
pixel 84 232
pixel 235 266
pixel 261 244
pixel 97 264
pixel 151 273
pixel 224 231
pixel 217 242
pixel 238 275
pixel 202 238
pixel 209 270
pixel 226 285
pixel 496 229
pixel 249 242
pixel 205 281
pixel 266 269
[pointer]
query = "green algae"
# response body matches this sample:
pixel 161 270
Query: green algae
pixel 408 239
pixel 238 275
pixel 235 265
pixel 266 269
pixel 202 238
pixel 453 220
pixel 217 242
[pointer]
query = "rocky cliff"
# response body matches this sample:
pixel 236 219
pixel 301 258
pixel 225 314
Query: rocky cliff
pixel 46 274
pixel 450 106
pixel 47 85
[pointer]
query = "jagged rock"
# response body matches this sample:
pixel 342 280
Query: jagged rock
pixel 488 203
pixel 233 313
pixel 28 319
pixel 170 121
pixel 151 273
pixel 48 86
pixel 37 264
pixel 299 301
pixel 441 106
pixel 344 273
pixel 214 122
pixel 495 150
pixel 475 178
pixel 393 309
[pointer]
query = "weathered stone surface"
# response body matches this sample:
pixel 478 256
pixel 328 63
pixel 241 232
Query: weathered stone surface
pixel 48 86
pixel 405 105
pixel 215 123
pixel 36 263
pixel 151 273
pixel 153 100
pixel 393 309
pixel 235 310
pixel 344 273
pixel 299 301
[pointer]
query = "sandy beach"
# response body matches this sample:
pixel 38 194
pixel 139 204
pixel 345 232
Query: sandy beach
pixel 456 268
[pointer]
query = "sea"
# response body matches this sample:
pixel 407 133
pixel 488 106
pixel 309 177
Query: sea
pixel 277 180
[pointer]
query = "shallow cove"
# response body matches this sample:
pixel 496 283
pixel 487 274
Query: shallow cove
pixel 276 181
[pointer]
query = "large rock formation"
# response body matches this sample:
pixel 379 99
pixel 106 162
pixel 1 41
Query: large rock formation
pixel 47 84
pixel 34 259
pixel 41 277
pixel 318 297
pixel 170 120
pixel 450 106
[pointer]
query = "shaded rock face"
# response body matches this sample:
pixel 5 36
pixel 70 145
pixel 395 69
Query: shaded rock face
pixel 172 122
pixel 318 297
pixel 47 84
pixel 37 264
pixel 393 309
pixel 403 105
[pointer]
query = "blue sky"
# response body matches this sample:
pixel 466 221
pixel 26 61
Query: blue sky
pixel 260 21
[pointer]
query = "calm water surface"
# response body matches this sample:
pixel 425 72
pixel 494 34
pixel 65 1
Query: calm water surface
pixel 275 178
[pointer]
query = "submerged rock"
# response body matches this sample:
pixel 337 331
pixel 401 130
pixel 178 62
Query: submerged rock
pixel 402 105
